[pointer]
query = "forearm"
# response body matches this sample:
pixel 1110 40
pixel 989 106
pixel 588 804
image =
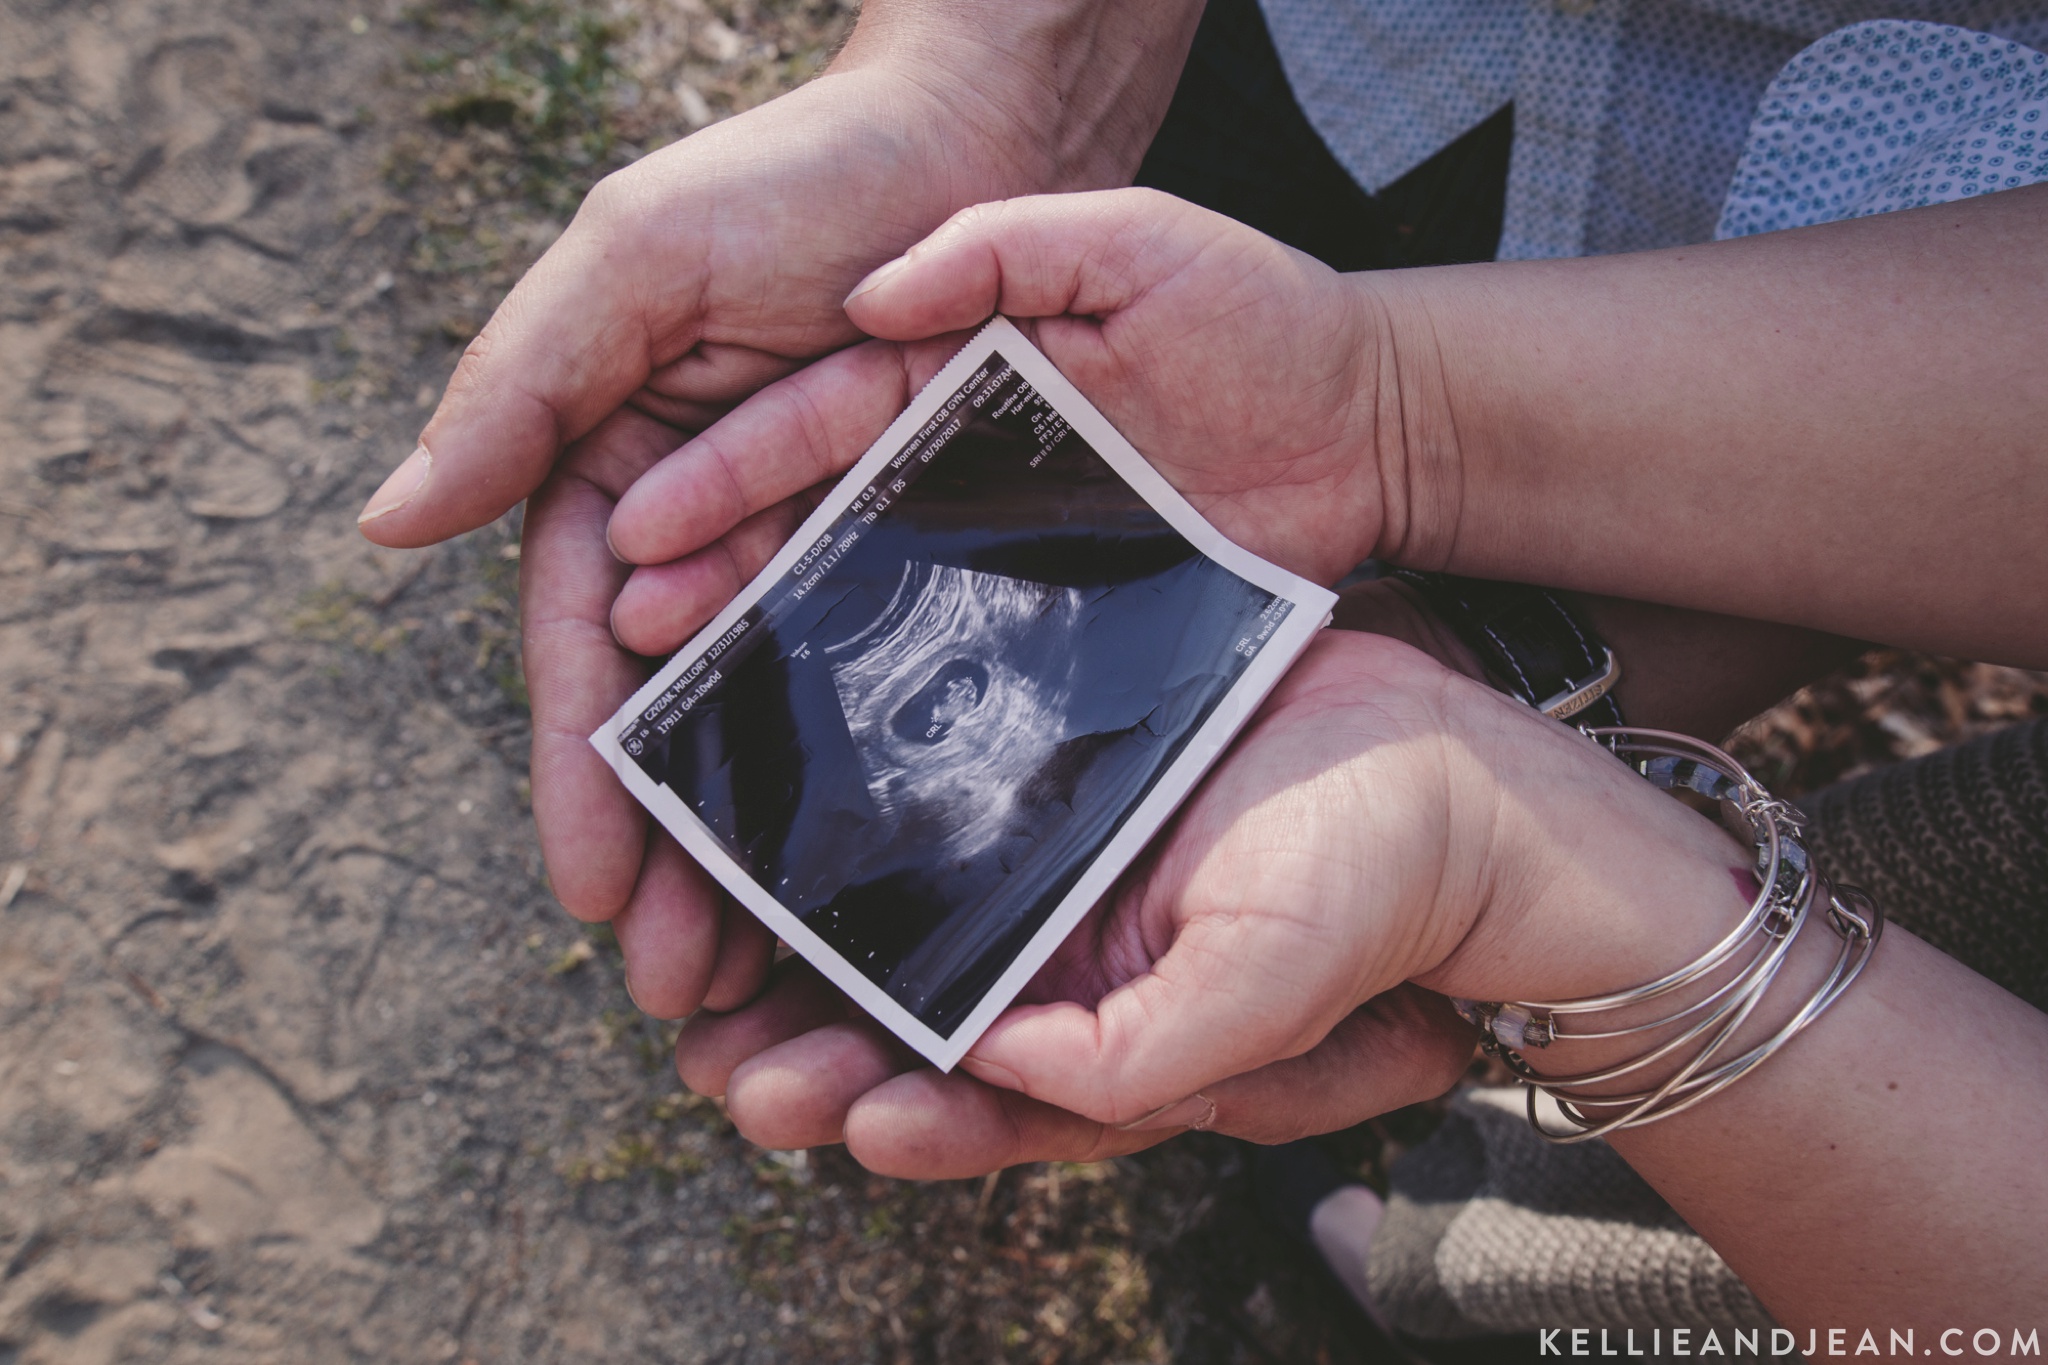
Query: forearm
pixel 1080 85
pixel 1880 1170
pixel 1839 427
pixel 1704 674
pixel 1884 1169
pixel 1690 671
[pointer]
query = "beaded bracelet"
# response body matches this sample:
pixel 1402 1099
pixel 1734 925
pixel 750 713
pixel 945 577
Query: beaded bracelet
pixel 1790 891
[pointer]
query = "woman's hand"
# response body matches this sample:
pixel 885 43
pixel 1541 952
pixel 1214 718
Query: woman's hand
pixel 1247 925
pixel 1382 821
pixel 1247 373
pixel 1384 818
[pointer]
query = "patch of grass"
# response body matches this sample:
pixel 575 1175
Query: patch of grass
pixel 673 1137
pixel 541 76
pixel 336 614
pixel 644 1152
pixel 572 957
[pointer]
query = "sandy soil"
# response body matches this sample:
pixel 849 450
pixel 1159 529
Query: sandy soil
pixel 298 1059
pixel 286 1075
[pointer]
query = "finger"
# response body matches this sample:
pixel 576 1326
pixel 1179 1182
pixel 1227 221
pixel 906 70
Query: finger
pixel 1084 254
pixel 1397 1049
pixel 793 434
pixel 1222 999
pixel 746 952
pixel 573 341
pixel 926 1126
pixel 592 832
pixel 662 605
pixel 706 384
pixel 1400 1048
pixel 669 931
pixel 710 1045
pixel 715 374
pixel 1147 1043
pixel 797 1094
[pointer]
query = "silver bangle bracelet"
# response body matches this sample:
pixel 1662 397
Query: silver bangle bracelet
pixel 1790 890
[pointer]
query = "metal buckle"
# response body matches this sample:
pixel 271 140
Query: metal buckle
pixel 1581 695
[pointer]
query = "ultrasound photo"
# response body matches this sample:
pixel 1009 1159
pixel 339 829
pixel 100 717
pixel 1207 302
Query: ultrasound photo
pixel 958 703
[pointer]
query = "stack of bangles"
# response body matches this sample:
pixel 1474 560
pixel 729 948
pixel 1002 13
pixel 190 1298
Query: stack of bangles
pixel 1758 946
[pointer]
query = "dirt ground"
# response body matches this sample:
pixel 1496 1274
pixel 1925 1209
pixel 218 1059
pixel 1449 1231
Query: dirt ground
pixel 298 1059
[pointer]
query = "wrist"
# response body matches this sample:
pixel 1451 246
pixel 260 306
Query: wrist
pixel 1629 1055
pixel 1056 95
pixel 1407 417
pixel 1595 881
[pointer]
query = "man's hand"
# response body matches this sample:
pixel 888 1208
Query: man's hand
pixel 1248 373
pixel 801 1067
pixel 685 283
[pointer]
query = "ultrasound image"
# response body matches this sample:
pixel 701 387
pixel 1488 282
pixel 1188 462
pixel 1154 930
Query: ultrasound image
pixel 919 739
pixel 948 708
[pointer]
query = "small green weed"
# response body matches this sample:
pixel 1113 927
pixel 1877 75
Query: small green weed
pixel 538 78
pixel 336 614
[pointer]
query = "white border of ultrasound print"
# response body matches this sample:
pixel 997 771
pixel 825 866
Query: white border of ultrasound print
pixel 1310 613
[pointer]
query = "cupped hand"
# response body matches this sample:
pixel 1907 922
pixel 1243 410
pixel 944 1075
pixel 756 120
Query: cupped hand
pixel 1247 373
pixel 800 1066
pixel 1385 830
pixel 685 283
pixel 1244 370
pixel 1257 955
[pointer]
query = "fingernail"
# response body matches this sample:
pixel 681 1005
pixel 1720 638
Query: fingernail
pixel 659 1018
pixel 991 1072
pixel 627 977
pixel 1196 1111
pixel 402 487
pixel 880 276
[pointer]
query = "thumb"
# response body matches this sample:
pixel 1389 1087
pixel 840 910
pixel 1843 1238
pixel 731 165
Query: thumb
pixel 1090 254
pixel 565 348
pixel 1212 1007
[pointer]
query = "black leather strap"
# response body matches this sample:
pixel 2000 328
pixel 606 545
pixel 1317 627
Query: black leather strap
pixel 1533 646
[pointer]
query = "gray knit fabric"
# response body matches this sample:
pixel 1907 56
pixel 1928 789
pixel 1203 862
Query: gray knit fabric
pixel 1490 1230
pixel 1954 847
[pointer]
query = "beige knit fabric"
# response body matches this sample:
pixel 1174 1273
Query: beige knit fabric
pixel 1547 1236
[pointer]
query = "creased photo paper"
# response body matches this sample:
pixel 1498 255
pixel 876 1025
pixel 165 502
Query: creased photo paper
pixel 934 730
